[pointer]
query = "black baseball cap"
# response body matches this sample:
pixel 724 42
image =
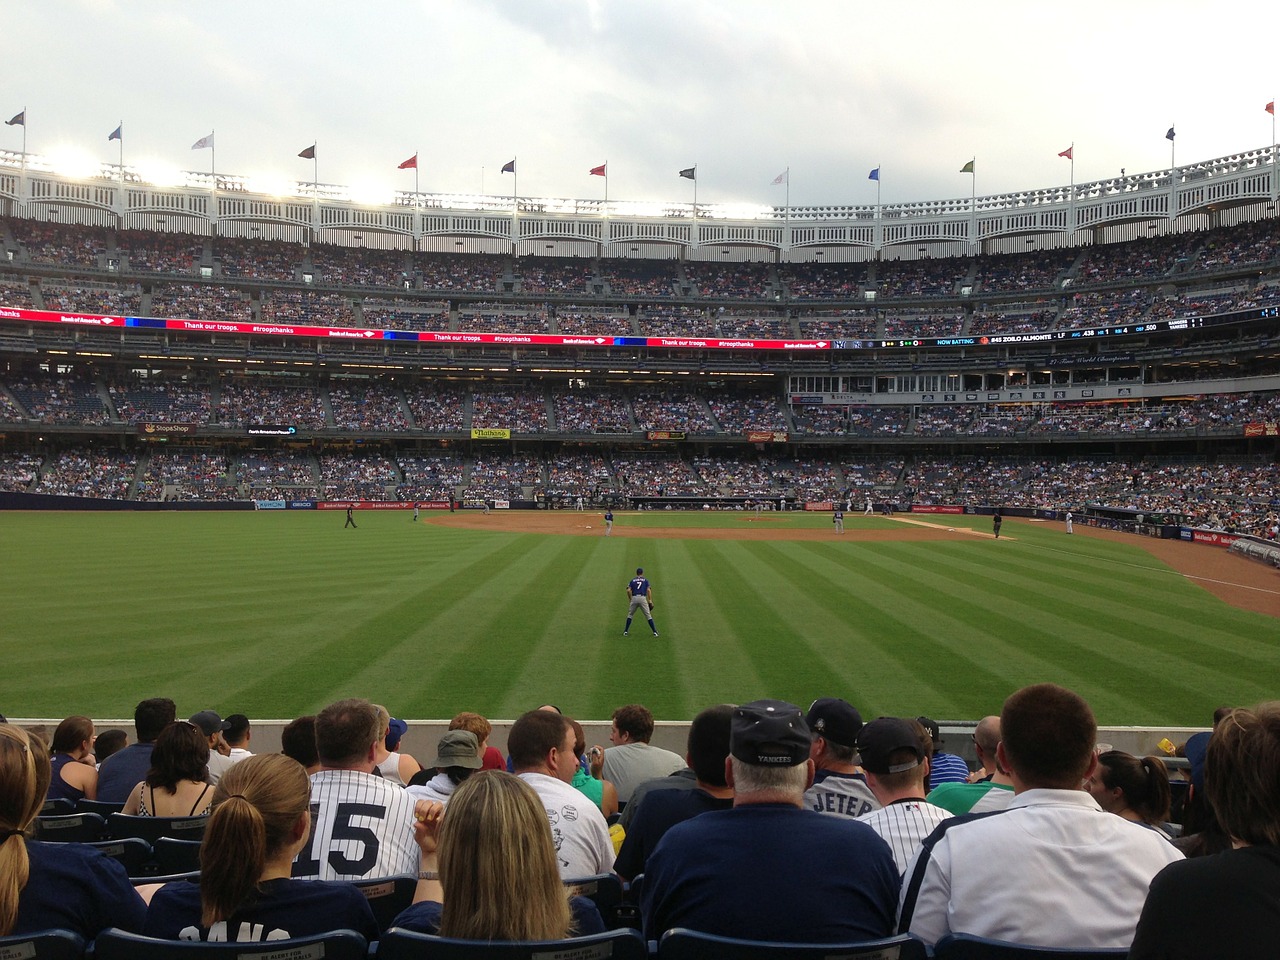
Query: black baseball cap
pixel 835 719
pixel 209 722
pixel 769 733
pixel 882 738
pixel 932 727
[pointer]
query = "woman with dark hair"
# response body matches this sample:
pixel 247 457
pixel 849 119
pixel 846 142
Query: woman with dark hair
pixel 74 775
pixel 1131 787
pixel 44 886
pixel 260 820
pixel 489 868
pixel 175 785
pixel 1228 904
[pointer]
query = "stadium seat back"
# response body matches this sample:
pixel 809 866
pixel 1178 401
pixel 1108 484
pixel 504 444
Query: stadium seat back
pixel 963 946
pixel 115 944
pixel 398 944
pixel 605 891
pixel 176 856
pixel 131 853
pixel 103 808
pixel 71 828
pixel 44 945
pixel 57 808
pixel 683 944
pixel 387 896
pixel 152 829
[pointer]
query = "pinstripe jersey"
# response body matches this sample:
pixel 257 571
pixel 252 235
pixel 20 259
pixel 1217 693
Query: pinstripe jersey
pixel 361 828
pixel 903 825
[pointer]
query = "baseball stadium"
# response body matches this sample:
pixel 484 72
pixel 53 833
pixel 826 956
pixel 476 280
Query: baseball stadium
pixel 193 378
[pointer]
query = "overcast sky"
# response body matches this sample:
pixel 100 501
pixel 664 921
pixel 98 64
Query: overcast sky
pixel 745 89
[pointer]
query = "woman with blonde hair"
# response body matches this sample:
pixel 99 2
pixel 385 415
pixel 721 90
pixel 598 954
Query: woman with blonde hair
pixel 43 886
pixel 75 775
pixel 396 767
pixel 260 820
pixel 490 870
pixel 175 785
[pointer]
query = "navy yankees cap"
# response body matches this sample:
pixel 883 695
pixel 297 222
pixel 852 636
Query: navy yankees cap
pixel 882 738
pixel 769 733
pixel 931 726
pixel 209 722
pixel 836 720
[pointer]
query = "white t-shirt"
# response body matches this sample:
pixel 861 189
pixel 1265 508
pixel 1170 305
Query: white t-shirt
pixel 581 835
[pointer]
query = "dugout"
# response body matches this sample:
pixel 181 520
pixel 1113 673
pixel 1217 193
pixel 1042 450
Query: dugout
pixel 1147 523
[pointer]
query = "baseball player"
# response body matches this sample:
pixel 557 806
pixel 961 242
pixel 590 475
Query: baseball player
pixel 608 521
pixel 868 511
pixel 838 519
pixel 1070 526
pixel 641 595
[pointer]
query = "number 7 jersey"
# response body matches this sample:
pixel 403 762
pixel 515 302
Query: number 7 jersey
pixel 361 828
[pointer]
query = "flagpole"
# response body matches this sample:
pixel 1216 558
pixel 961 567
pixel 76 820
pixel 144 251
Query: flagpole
pixel 315 172
pixel 121 129
pixel 416 192
pixel 606 185
pixel 213 159
pixel 695 205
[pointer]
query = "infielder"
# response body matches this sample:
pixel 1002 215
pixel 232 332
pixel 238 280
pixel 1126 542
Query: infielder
pixel 1070 528
pixel 838 519
pixel 641 595
pixel 608 521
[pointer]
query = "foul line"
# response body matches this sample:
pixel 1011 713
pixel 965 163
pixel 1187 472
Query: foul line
pixel 1163 568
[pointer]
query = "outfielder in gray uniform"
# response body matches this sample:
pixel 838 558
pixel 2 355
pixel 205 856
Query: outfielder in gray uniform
pixel 641 596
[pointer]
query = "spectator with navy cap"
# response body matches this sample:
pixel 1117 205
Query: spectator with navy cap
pixel 827 880
pixel 838 788
pixel 212 726
pixel 895 756
pixel 943 767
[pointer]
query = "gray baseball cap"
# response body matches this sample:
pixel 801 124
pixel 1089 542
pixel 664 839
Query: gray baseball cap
pixel 458 748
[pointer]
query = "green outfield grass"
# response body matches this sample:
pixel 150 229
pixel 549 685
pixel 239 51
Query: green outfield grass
pixel 277 613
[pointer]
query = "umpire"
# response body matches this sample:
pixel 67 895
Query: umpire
pixel 641 595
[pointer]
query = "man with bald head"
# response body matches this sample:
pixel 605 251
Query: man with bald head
pixel 993 792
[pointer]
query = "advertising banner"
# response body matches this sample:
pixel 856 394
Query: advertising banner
pixel 930 508
pixel 767 436
pixel 665 435
pixel 490 433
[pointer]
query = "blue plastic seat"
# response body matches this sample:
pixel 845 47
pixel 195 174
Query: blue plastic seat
pixel 388 896
pixel 399 944
pixel 116 944
pixel 43 945
pixel 71 828
pixel 152 829
pixel 680 943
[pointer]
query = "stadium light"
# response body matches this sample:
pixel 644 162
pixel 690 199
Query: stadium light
pixel 159 173
pixel 371 194
pixel 73 162
pixel 272 184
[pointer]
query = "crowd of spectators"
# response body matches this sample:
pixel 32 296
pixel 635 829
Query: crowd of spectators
pixel 258 259
pixel 574 320
pixel 738 414
pixel 919 278
pixel 1033 270
pixel 151 252
pixel 911 325
pixel 1105 309
pixel 272 475
pixel 554 275
pixel 823 281
pixel 840 325
pixel 671 411
pixel 307 307
pixel 512 477
pixel 676 322
pixel 406 315
pixel 161 402
pixel 430 476
pixel 16 292
pixel 61 244
pixel 472 273
pixel 639 278
pixel 1015 318
pixel 244 402
pixel 18 471
pixel 124 300
pixel 60 399
pixel 730 281
pixel 1145 259
pixel 735 475
pixel 349 476
pixel 519 410
pixel 437 407
pixel 186 475
pixel 591 411
pixel 573 475
pixel 212 302
pixel 497 318
pixel 658 475
pixel 741 323
pixel 104 474
pixel 358 266
pixel 366 406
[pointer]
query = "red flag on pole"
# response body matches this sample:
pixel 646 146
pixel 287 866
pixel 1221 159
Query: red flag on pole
pixel 1069 153
pixel 410 164
pixel 598 171
pixel 1271 108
